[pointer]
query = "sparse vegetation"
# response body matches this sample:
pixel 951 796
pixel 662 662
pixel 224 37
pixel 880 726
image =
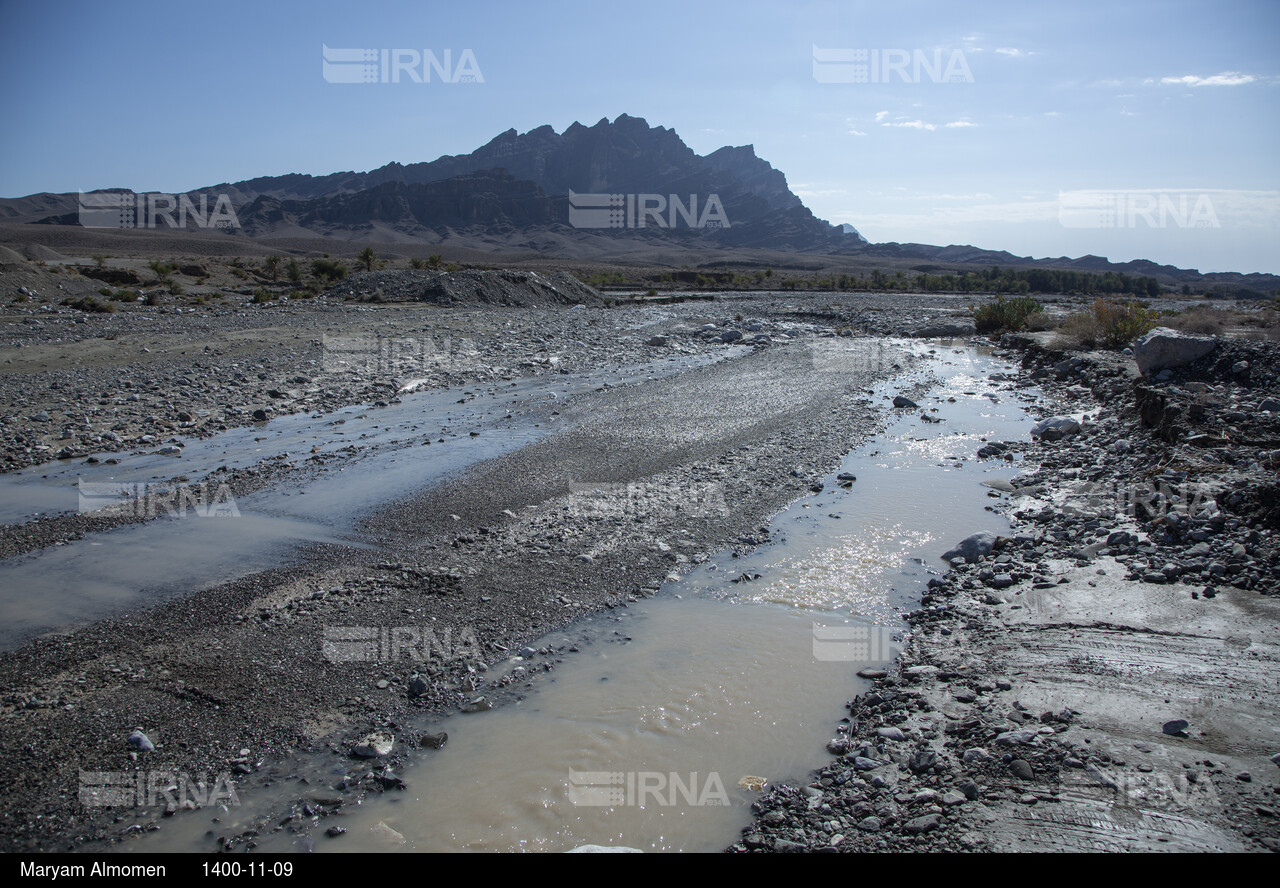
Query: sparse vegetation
pixel 260 296
pixel 88 303
pixel 1108 324
pixel 330 270
pixel 1004 314
pixel 417 264
pixel 271 265
pixel 434 261
pixel 367 258
pixel 293 271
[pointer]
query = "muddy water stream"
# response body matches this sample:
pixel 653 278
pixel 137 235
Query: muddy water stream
pixel 186 549
pixel 643 733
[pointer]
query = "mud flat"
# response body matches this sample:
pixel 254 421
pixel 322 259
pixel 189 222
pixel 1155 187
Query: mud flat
pixel 1105 676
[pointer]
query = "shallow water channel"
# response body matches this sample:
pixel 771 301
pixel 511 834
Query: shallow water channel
pixel 107 573
pixel 644 731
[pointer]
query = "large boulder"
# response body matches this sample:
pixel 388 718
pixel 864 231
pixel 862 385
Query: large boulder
pixel 1055 428
pixel 1162 349
pixel 972 548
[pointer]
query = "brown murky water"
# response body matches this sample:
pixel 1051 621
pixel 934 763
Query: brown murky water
pixel 644 735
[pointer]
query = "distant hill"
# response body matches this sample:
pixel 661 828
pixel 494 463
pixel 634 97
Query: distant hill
pixel 620 189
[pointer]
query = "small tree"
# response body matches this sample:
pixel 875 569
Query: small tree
pixel 272 265
pixel 293 270
pixel 367 258
pixel 434 261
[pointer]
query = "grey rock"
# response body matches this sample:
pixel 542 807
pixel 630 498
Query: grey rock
pixel 861 763
pixel 374 745
pixel 870 824
pixel 975 756
pixel 891 733
pixel 1023 737
pixel 730 336
pixel 1021 769
pixel 904 403
pixel 922 760
pixel 657 340
pixel 418 686
pixel 604 849
pixel 952 798
pixel 972 548
pixel 927 823
pixel 434 741
pixel 1163 348
pixel 1176 728
pixel 141 742
pixel 1055 428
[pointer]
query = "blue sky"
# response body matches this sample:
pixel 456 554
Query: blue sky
pixel 1124 129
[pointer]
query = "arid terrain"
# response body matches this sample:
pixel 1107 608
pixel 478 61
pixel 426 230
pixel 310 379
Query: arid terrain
pixel 1104 676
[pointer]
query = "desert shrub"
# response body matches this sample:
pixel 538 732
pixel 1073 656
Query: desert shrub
pixel 1004 314
pixel 88 303
pixel 417 264
pixel 260 296
pixel 367 258
pixel 328 269
pixel 1201 319
pixel 1108 324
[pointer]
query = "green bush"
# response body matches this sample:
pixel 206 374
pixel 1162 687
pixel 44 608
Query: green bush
pixel 1004 314
pixel 1108 324
pixel 260 296
pixel 328 269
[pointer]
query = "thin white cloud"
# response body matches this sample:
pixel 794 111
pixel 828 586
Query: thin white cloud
pixel 959 123
pixel 854 132
pixel 911 124
pixel 881 115
pixel 1012 53
pixel 1226 78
